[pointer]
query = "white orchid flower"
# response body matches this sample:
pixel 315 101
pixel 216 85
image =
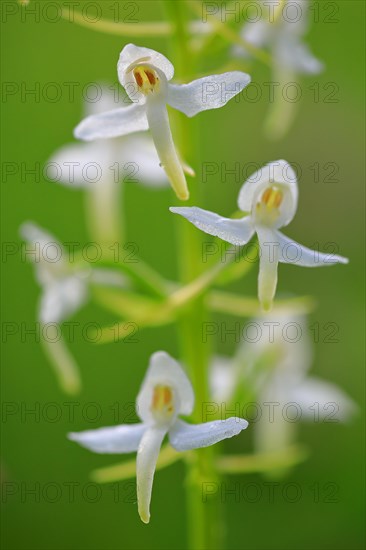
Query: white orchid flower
pixel 134 157
pixel 281 30
pixel 270 196
pixel 274 366
pixel 64 291
pixel 101 166
pixel 165 394
pixel 145 74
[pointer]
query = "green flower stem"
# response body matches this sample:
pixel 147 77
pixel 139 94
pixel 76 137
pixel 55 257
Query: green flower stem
pixel 202 517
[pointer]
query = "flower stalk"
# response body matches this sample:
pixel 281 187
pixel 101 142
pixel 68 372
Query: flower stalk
pixel 203 518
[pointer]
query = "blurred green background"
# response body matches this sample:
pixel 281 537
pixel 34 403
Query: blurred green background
pixel 35 450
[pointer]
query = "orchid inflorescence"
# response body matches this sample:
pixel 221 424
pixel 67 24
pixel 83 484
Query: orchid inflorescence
pixel 264 371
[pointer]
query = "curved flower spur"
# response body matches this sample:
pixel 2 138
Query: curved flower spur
pixel 270 197
pixel 145 74
pixel 165 394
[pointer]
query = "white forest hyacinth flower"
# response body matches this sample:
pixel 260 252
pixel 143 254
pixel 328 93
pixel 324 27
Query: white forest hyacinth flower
pixel 65 289
pixel 165 394
pixel 270 196
pixel 133 157
pixel 145 74
pixel 102 166
pixel 274 367
pixel 281 30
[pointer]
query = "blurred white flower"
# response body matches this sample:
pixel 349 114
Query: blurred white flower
pixel 65 289
pixel 272 366
pixel 96 164
pixel 281 30
pixel 145 75
pixel 165 394
pixel 270 196
pixel 101 168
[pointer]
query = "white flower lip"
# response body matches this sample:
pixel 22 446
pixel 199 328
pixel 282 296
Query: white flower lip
pixel 165 393
pixel 145 74
pixel 270 198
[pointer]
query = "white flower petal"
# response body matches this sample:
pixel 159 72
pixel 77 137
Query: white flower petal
pixel 165 371
pixel 237 232
pixel 210 92
pixel 296 56
pixel 318 397
pixel 119 122
pixel 131 55
pixel 139 152
pixel 33 233
pixel 160 129
pixel 223 379
pixel 183 436
pixel 49 255
pixel 291 252
pixel 278 173
pixel 73 164
pixel 147 456
pixel 268 264
pixel 61 298
pixel 117 439
pixel 256 33
pixel 108 100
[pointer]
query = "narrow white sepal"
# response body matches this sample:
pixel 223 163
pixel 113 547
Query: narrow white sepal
pixel 61 298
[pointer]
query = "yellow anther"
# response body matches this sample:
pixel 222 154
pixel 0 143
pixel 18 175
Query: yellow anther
pixel 272 197
pixel 267 209
pixel 146 79
pixel 162 404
